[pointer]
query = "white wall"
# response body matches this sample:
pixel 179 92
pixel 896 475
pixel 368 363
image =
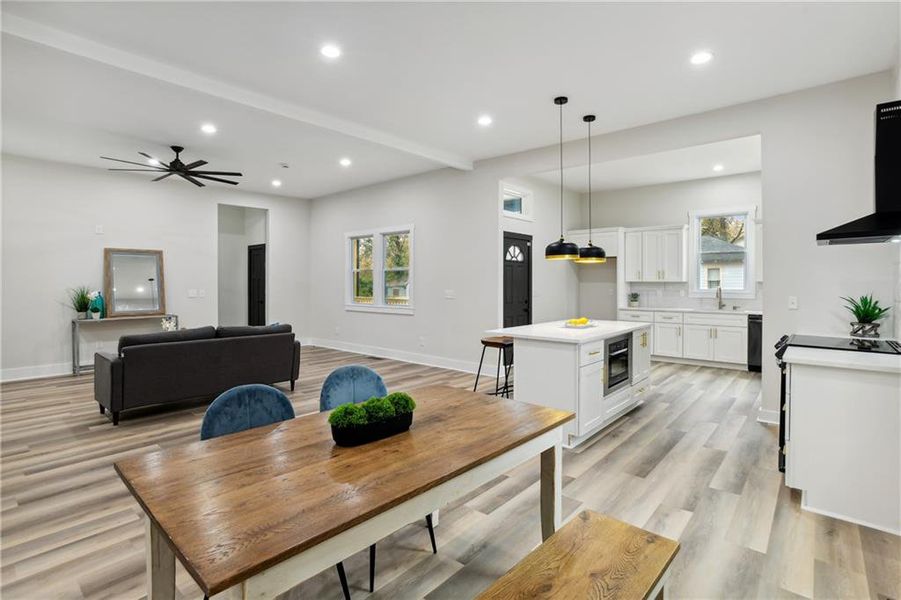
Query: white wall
pixel 817 173
pixel 668 204
pixel 50 212
pixel 239 227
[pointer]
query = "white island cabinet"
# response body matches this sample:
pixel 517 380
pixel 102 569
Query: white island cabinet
pixel 843 434
pixel 567 368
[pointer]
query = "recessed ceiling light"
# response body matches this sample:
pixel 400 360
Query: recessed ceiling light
pixel 155 162
pixel 701 57
pixel 485 120
pixel 208 128
pixel 330 51
pixel 276 183
pixel 345 162
pixel 717 167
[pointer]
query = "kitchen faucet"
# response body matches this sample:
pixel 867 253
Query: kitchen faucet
pixel 720 305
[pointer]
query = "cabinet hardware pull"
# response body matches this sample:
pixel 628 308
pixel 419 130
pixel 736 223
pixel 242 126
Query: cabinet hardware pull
pixel 595 353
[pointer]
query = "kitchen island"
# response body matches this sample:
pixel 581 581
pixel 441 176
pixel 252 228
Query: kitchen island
pixel 597 372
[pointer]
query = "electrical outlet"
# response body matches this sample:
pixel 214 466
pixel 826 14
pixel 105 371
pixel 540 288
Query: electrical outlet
pixel 792 303
pixel 422 341
pixel 201 293
pixel 682 293
pixel 98 229
pixel 337 330
pixel 192 293
pixel 450 294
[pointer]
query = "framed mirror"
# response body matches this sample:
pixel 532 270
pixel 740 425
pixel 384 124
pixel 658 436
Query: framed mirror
pixel 133 283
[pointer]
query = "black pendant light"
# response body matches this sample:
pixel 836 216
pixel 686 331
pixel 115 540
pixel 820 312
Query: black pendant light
pixel 590 254
pixel 561 249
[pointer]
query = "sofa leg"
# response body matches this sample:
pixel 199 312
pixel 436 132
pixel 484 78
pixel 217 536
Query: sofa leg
pixel 292 384
pixel 102 409
pixel 115 417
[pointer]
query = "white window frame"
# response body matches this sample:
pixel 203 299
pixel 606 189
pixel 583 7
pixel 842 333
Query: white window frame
pixel 527 202
pixel 694 238
pixel 378 271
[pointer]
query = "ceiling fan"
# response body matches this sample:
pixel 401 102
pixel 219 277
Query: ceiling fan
pixel 177 167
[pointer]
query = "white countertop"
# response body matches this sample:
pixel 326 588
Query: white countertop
pixel 702 311
pixel 555 331
pixel 844 359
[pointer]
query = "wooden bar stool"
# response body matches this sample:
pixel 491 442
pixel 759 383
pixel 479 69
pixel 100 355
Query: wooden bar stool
pixel 504 347
pixel 592 556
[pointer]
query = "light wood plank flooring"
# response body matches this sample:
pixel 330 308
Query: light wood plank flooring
pixel 692 464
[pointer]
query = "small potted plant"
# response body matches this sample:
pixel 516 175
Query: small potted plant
pixel 633 299
pixel 375 419
pixel 95 312
pixel 80 300
pixel 866 312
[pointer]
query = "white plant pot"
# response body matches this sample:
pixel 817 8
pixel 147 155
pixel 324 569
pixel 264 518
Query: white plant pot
pixel 633 304
pixel 95 316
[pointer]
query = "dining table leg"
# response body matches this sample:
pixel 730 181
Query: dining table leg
pixel 160 564
pixel 551 490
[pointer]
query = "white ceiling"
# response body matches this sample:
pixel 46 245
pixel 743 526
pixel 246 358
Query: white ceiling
pixel 121 76
pixel 740 155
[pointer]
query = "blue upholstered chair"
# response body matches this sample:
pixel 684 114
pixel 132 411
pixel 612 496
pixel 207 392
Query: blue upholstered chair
pixel 356 384
pixel 351 383
pixel 245 407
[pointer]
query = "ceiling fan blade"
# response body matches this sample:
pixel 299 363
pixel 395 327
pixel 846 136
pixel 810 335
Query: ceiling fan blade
pixel 130 162
pixel 195 164
pixel 145 155
pixel 214 179
pixel 164 176
pixel 227 173
pixel 148 170
pixel 191 179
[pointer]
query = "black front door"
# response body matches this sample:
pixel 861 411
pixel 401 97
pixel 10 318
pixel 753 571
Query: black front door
pixel 256 284
pixel 517 259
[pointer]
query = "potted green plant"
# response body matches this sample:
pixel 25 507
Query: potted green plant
pixel 95 312
pixel 633 299
pixel 375 419
pixel 866 312
pixel 80 300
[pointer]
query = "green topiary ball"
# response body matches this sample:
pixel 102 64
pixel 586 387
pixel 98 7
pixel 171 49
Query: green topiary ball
pixel 348 415
pixel 403 403
pixel 378 409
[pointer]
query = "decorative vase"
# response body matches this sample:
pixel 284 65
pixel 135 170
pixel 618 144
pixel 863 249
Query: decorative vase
pixel 633 303
pixel 355 436
pixel 95 316
pixel 867 330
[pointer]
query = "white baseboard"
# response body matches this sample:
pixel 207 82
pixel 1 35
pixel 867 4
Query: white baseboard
pixel 430 360
pixel 770 417
pixel 700 363
pixel 35 372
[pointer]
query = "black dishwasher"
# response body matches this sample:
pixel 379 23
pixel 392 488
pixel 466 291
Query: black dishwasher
pixel 755 335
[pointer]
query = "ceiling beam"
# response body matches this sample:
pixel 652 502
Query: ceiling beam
pixel 83 47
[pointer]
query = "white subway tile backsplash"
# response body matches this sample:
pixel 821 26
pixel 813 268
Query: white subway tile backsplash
pixel 675 295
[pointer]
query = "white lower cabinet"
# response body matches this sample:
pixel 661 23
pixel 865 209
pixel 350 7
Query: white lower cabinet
pixel 591 393
pixel 697 342
pixel 668 339
pixel 641 355
pixel 730 344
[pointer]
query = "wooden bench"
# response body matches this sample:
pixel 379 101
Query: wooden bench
pixel 592 556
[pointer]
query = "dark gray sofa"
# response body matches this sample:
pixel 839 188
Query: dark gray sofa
pixel 157 368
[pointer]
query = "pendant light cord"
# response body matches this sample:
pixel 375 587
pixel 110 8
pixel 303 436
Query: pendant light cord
pixel 589 184
pixel 561 172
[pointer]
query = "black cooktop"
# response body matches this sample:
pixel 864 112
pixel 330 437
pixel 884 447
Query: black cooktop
pixel 853 344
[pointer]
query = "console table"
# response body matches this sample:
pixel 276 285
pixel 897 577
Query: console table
pixel 76 334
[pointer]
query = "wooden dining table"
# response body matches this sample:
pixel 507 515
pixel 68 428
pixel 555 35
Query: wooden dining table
pixel 251 515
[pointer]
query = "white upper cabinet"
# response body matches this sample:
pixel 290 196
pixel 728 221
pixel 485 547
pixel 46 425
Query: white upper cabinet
pixel 633 255
pixel 607 238
pixel 655 254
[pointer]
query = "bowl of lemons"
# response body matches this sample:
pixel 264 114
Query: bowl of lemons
pixel 580 323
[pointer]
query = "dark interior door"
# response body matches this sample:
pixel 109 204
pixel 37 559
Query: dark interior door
pixel 517 279
pixel 256 284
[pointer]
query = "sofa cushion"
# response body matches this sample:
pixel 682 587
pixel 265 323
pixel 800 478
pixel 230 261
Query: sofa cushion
pixel 242 330
pixel 181 335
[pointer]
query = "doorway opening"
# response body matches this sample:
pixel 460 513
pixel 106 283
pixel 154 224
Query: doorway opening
pixel 517 259
pixel 243 237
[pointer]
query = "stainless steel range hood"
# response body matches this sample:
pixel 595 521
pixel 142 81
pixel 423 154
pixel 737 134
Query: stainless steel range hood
pixel 885 224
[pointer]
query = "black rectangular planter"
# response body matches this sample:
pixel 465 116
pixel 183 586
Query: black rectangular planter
pixel 355 436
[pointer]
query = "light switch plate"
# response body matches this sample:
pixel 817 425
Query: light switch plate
pixel 98 229
pixel 792 303
pixel 192 293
